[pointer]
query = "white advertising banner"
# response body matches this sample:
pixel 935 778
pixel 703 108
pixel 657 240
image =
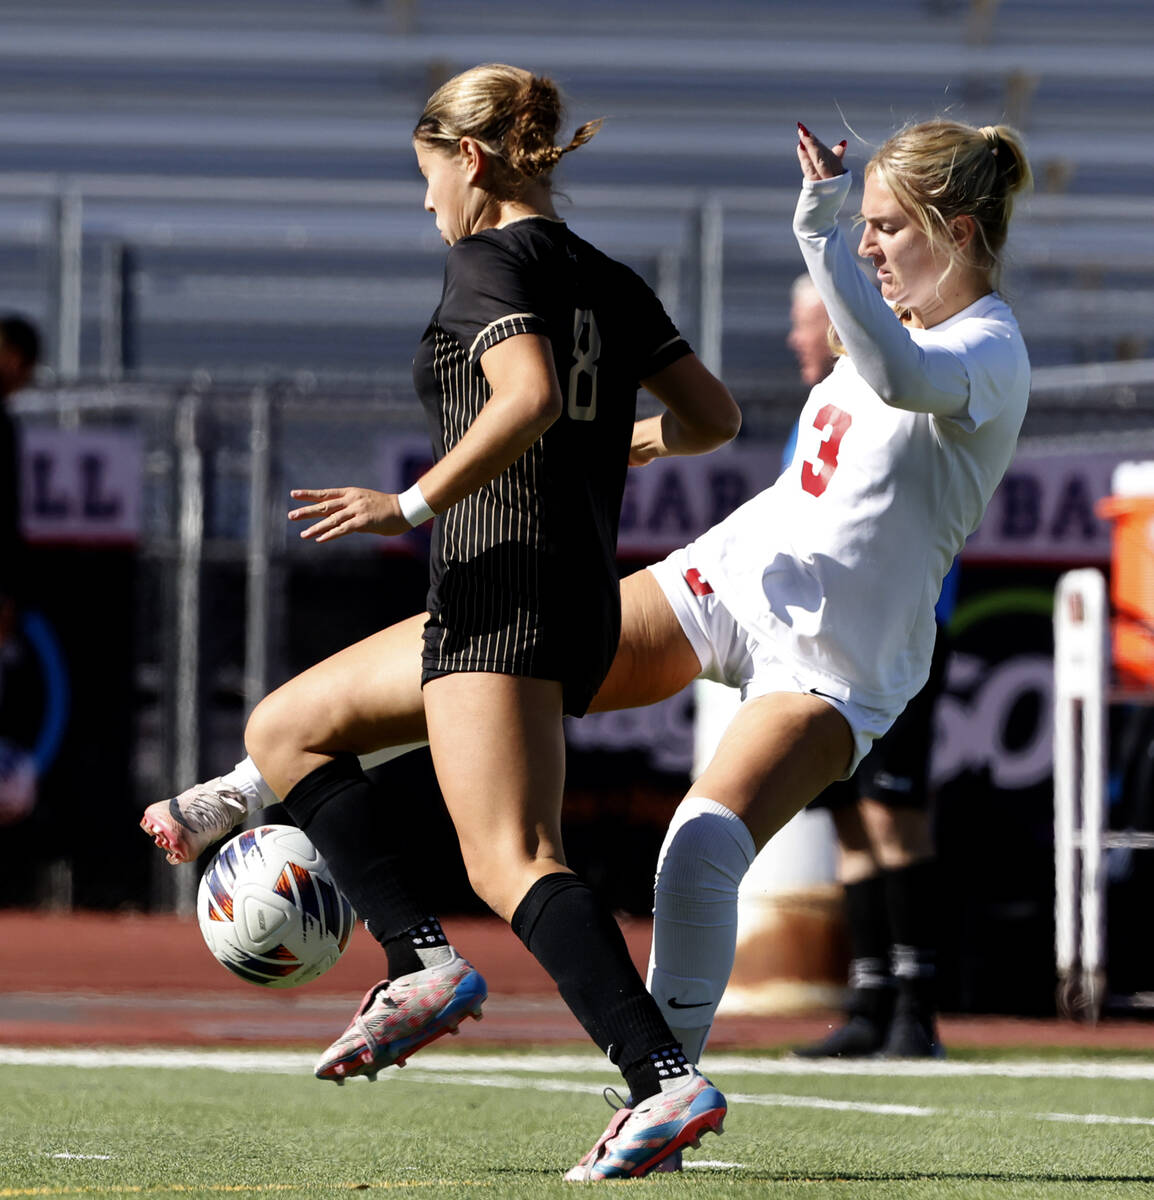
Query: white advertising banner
pixel 1043 512
pixel 81 486
pixel 666 504
pixel 673 500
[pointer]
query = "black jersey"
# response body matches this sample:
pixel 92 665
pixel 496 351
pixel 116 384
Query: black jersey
pixel 523 576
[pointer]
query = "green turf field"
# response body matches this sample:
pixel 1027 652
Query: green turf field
pixel 454 1124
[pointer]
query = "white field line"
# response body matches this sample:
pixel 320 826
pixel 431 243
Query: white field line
pixel 915 1110
pixel 1033 1068
pixel 291 1062
pixel 882 1110
pixel 493 1070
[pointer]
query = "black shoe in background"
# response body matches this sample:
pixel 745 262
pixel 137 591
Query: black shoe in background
pixel 859 1037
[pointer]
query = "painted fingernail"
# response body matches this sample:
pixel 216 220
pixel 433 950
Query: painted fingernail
pixel 803 129
pixel 843 142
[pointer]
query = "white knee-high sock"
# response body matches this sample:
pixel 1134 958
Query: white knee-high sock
pixel 706 852
pixel 248 780
pixel 250 783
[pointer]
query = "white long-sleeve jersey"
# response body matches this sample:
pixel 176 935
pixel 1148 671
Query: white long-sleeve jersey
pixel 839 564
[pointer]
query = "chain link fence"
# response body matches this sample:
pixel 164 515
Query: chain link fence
pixel 179 595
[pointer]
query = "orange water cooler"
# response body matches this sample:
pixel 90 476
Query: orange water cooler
pixel 1131 511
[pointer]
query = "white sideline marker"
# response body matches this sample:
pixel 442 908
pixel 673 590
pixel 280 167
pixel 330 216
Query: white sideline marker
pixel 493 1070
pixel 292 1062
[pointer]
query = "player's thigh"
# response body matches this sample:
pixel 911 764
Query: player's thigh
pixel 360 699
pixel 899 834
pixel 654 659
pixel 498 748
pixel 855 857
pixel 777 754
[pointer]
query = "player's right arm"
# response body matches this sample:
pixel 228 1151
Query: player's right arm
pixel 699 416
pixel 525 400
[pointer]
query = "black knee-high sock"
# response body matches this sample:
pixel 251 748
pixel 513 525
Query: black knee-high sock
pixel 867 918
pixel 344 817
pixel 913 905
pixel 572 936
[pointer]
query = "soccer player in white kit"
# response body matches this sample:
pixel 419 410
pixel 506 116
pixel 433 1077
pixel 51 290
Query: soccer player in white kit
pixel 899 450
pixel 815 598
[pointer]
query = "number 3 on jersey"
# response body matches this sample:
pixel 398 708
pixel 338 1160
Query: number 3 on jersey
pixel 583 373
pixel 832 424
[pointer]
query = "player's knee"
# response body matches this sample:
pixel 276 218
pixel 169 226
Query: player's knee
pixel 483 869
pixel 270 728
pixel 898 835
pixel 858 863
pixel 493 889
pixel 501 872
pixel 706 853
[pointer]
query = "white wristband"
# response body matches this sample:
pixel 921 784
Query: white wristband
pixel 414 507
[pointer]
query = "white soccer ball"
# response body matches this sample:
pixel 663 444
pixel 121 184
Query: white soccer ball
pixel 269 909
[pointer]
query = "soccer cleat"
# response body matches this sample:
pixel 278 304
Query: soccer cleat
pixel 399 1017
pixel 185 826
pixel 642 1139
pixel 911 1036
pixel 859 1037
pixel 622 1109
pixel 672 1163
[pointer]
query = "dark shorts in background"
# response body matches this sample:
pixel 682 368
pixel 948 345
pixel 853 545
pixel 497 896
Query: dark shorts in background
pixel 896 770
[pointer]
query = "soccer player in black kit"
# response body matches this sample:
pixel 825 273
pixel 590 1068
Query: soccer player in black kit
pixel 528 373
pixel 523 570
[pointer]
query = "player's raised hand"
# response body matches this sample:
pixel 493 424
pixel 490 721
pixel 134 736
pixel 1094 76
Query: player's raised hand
pixel 817 160
pixel 348 510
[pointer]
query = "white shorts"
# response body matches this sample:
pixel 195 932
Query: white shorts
pixel 729 654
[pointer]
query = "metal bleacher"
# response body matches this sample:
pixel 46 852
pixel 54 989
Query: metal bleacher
pixel 214 208
pixel 230 187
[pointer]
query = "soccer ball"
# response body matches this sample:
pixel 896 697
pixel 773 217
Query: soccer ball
pixel 269 909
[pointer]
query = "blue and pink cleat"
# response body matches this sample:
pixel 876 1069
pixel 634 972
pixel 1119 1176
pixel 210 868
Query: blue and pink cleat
pixel 651 1136
pixel 397 1018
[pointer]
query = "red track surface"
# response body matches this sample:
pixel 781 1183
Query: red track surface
pixel 102 979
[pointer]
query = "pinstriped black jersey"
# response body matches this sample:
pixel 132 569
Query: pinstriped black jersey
pixel 523 576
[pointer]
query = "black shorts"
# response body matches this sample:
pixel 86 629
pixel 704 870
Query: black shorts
pixel 568 633
pixel 896 770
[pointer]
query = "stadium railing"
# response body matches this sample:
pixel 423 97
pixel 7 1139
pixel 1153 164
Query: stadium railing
pixel 134 275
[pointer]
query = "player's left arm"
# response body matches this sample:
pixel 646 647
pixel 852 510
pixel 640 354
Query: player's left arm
pixel 903 373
